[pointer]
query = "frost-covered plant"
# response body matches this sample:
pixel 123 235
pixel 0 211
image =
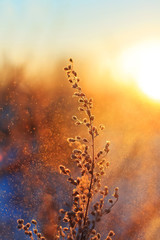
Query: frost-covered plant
pixel 80 221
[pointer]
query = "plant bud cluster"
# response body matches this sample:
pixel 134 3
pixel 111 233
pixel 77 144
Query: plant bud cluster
pixel 82 218
pixel 79 223
pixel 26 227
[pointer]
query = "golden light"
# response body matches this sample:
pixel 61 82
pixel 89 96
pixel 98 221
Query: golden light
pixel 142 62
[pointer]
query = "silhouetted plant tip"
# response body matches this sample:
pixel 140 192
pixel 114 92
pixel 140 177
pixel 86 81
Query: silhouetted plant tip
pixel 80 221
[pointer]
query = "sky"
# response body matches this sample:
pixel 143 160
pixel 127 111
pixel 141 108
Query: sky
pixel 43 32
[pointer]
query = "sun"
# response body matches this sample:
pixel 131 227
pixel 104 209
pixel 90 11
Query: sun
pixel 142 62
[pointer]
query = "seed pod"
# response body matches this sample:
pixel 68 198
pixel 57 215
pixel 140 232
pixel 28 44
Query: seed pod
pixel 25 227
pixel 101 201
pixel 43 238
pixel 84 120
pixel 74 117
pixel 93 231
pixel 34 221
pixel 105 190
pixel 67 171
pixel 78 137
pixel 111 233
pixel 76 94
pixel 99 153
pixel 62 211
pixel 106 148
pixel 28 225
pixel 83 95
pixel 88 112
pixel 19 226
pixel 71 140
pixel 35 231
pixel 26 232
pixel 62 168
pixel 80 100
pixel 98 235
pixel 92 118
pixel 107 164
pixel 116 192
pixel 78 123
pixel 110 201
pixel 108 238
pixel 88 124
pixel 81 109
pixel 65 219
pixel 74 192
pixel 65 229
pixel 74 85
pixel 39 235
pixel 74 73
pixel 85 140
pixel 78 179
pixel 20 221
pixel 76 198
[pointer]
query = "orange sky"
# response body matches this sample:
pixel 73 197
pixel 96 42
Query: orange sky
pixel 42 33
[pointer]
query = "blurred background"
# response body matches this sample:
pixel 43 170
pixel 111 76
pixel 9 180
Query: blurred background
pixel 116 50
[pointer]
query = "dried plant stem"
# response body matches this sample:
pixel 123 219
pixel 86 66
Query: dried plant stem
pixel 113 204
pixel 81 219
pixel 91 181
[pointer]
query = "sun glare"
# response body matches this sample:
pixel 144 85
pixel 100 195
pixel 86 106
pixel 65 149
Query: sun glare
pixel 142 62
